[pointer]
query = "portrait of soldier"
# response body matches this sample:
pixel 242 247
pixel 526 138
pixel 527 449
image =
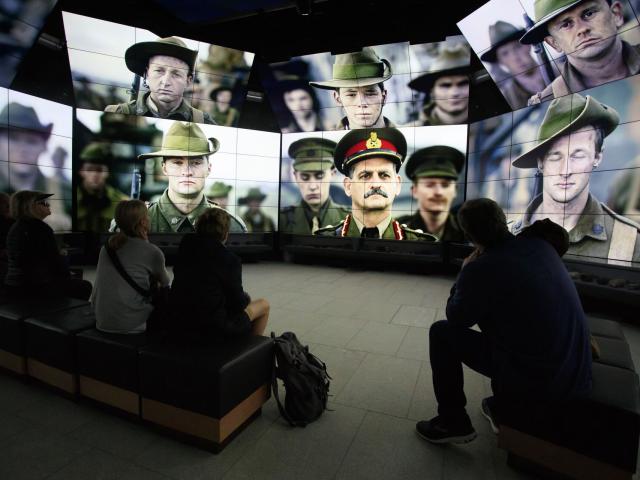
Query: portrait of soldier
pixel 434 172
pixel 96 200
pixel 218 193
pixel 586 32
pixel 22 147
pixel 302 105
pixel 313 170
pixel 221 111
pixel 525 75
pixel 370 160
pixel 446 85
pixel 255 219
pixel 166 66
pixel 569 146
pixel 185 153
pixel 358 87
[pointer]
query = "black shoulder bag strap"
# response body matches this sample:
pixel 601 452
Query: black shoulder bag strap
pixel 116 263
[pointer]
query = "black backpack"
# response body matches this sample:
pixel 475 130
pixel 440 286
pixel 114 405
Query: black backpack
pixel 305 378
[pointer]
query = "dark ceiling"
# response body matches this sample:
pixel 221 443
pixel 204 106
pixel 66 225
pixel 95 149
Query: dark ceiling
pixel 273 29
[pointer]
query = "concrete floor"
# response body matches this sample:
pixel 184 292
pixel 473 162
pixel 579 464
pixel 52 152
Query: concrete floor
pixel 371 330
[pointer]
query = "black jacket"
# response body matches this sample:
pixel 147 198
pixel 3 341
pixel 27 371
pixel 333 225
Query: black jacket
pixel 206 293
pixel 33 255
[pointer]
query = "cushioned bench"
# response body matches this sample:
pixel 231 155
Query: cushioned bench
pixel 108 368
pixel 12 315
pixel 205 394
pixel 590 439
pixel 601 327
pixel 51 346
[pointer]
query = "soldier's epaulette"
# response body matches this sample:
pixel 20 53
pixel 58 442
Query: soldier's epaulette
pixel 620 218
pixel 330 229
pixel 418 233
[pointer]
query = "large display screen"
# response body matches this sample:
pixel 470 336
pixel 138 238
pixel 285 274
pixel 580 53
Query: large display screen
pixel 574 160
pixel 317 199
pixel 539 55
pixel 385 85
pixel 36 151
pixel 122 69
pixel 179 168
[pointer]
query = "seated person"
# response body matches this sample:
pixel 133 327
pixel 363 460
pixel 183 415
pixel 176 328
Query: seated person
pixel 207 300
pixel 534 340
pixel 5 224
pixel 550 231
pixel 35 266
pixel 118 306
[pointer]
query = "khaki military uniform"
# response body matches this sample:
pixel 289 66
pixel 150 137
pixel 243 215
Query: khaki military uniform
pixel 431 117
pixel 393 231
pixel 228 119
pixel 600 233
pixel 570 80
pixel 259 222
pixel 165 217
pixel 95 213
pixel 343 124
pixel 298 219
pixel 515 94
pixel 451 232
pixel 184 112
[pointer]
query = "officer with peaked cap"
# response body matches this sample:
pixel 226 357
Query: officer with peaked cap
pixel 312 170
pixel 370 160
pixel 525 76
pixel 586 31
pixel 568 149
pixel 255 219
pixel 358 87
pixel 96 200
pixel 434 172
pixel 447 87
pixel 167 67
pixel 185 155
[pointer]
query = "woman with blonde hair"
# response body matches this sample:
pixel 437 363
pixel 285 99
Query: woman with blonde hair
pixel 35 266
pixel 128 267
pixel 208 285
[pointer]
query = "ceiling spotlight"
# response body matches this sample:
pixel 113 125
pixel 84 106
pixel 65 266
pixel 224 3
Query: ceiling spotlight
pixel 304 7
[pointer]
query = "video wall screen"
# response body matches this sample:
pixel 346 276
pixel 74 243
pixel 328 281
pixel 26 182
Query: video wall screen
pixel 535 56
pixel 20 25
pixel 574 160
pixel 36 151
pixel 364 196
pixel 381 86
pixel 179 168
pixel 123 69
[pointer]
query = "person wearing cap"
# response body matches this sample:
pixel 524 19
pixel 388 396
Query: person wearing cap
pixel 434 172
pixel 568 149
pixel 167 67
pixel 525 76
pixel 36 267
pixel 370 160
pixel 255 219
pixel 25 139
pixel 96 200
pixel 312 170
pixel 222 112
pixel 358 87
pixel 586 31
pixel 219 194
pixel 185 155
pixel 446 85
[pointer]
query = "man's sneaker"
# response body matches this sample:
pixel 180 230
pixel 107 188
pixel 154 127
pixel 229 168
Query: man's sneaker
pixel 438 430
pixel 489 413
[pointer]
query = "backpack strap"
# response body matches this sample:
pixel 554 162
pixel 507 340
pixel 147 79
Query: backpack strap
pixel 123 273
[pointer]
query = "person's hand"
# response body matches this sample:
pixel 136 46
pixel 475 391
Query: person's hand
pixel 472 256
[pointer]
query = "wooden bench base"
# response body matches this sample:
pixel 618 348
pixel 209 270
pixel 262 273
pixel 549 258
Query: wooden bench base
pixel 110 395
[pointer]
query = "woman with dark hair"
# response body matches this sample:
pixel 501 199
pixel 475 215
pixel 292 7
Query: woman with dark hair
pixel 119 306
pixel 35 267
pixel 207 299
